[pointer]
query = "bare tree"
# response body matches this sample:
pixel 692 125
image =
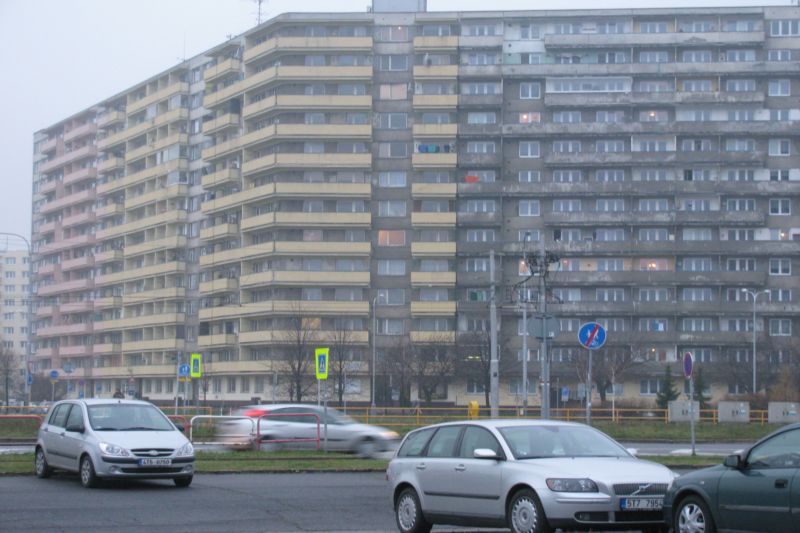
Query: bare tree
pixel 398 366
pixel 8 372
pixel 300 338
pixel 474 356
pixel 341 342
pixel 610 365
pixel 433 365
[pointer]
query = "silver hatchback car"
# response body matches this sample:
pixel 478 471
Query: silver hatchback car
pixel 113 439
pixel 528 475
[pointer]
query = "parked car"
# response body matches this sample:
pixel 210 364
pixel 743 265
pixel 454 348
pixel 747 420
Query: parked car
pixel 113 439
pixel 758 490
pixel 527 475
pixel 298 425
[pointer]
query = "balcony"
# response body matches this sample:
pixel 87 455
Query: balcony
pixel 671 39
pixel 435 101
pixel 65 244
pixel 107 256
pixel 87 217
pixel 435 71
pixel 142 321
pixel 105 349
pixel 435 42
pixel 312 161
pixel 166 193
pixel 143 175
pixel 220 231
pixel 317 248
pixel 138 153
pixel 219 285
pixel 77 307
pixel 88 151
pixel 433 249
pixel 80 131
pixel 80 175
pixel 45 310
pixel 284 308
pixel 156 345
pixel 299 190
pixel 434 160
pixel 170 217
pixel 163 269
pixel 433 308
pixel 315 278
pixel 428 279
pixel 235 255
pixel 157 96
pixel 435 131
pixel 307 102
pixel 222 69
pixel 80 350
pixel 46 352
pixel 226 121
pixel 49 227
pixel 300 219
pixel 308 44
pixel 112 163
pixel 222 177
pixel 110 117
pixel 87 261
pixel 166 243
pixel 69 329
pixel 88 195
pixel 433 219
pixel 434 337
pixel 50 186
pixel 433 190
pixel 218 340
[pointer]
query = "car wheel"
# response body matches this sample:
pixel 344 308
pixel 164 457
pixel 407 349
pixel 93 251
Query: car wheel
pixel 408 513
pixel 43 469
pixel 89 478
pixel 182 481
pixel 366 448
pixel 693 516
pixel 525 513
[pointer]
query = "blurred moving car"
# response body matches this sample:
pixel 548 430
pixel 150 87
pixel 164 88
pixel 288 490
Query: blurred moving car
pixel 297 426
pixel 527 475
pixel 102 438
pixel 758 490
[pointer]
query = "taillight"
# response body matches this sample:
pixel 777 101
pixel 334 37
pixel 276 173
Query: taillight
pixel 254 413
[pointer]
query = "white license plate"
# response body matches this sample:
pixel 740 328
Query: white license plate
pixel 640 504
pixel 156 462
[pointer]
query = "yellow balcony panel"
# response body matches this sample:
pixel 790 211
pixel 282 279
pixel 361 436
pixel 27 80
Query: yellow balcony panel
pixel 112 139
pixel 207 341
pixel 282 337
pixel 109 210
pixel 300 44
pixel 155 345
pixel 172 267
pixel 305 131
pixel 236 255
pixel 140 321
pixel 433 308
pixel 157 96
pixel 323 248
pixel 45 310
pixel 105 302
pixel 433 219
pixel 167 293
pixel 323 219
pixel 434 337
pixel 219 231
pixel 143 175
pixel 324 307
pixel 46 352
pixel 435 42
pixel 434 160
pixel 237 367
pixel 167 243
pixel 150 370
pixel 133 130
pixel 283 277
pixel 173 191
pixel 256 337
pixel 300 160
pixel 86 261
pixel 331 190
pixel 435 130
pixel 435 101
pixel 219 285
pixel 137 153
pixel 267 219
pixel 228 120
pixel 222 177
pixel 107 256
pixel 110 117
pixel 234 311
pixel 436 71
pixel 305 102
pixel 433 248
pixel 222 203
pixel 175 115
pixel 222 149
pixel 427 279
pixel 106 348
pixel 107 165
pixel 223 68
pixel 110 371
pixel 170 217
pixel 434 190
pixel 220 96
pixel 80 218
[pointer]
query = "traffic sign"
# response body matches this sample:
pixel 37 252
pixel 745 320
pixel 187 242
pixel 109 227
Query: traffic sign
pixel 592 335
pixel 183 370
pixel 30 379
pixel 688 364
pixel 321 358
pixel 197 365
pixel 68 368
pixel 551 324
pixel 53 375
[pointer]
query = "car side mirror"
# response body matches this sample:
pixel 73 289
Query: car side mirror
pixel 76 428
pixel 180 427
pixel 733 461
pixel 633 451
pixel 485 453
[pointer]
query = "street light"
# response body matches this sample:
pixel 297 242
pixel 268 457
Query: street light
pixel 527 271
pixel 755 295
pixel 374 343
pixel 29 345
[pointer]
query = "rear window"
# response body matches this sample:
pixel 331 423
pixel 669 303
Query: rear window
pixel 415 443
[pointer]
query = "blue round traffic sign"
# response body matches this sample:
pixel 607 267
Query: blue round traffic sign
pixel 54 374
pixel 183 370
pixel 688 364
pixel 592 335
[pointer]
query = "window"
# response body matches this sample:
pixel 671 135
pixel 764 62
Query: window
pixel 567 117
pixel 610 117
pixel 653 27
pixel 391 238
pixel 567 176
pixel 392 179
pixel 529 149
pixel 780 206
pixel 779 55
pixel 649 387
pixel 477 264
pixel 609 146
pixel 779 175
pixel 697 86
pixel 565 147
pixel 391 267
pixel 566 205
pixel 482 118
pixel 610 205
pixel 741 174
pixel 480 88
pixel 482 147
pixel 609 175
pixel 697 294
pixel 741 264
pixel 391 326
pixel 739 86
pixel 653 56
pixel 530 117
pixel 696 264
pixel 653 115
pixel 480 235
pixel 392 120
pixel 653 324
pixel 480 206
pixel 530 31
pixel 740 55
pixel 653 204
pixel 779 88
pixel 741 234
pixel 697 325
pixel 653 234
pixel 740 145
pixel 780 267
pixel 784 27
pixel 393 149
pixel 393 62
pixel 530 90
pixel 391 296
pixel 588 85
pixel 696 56
pixel 610 265
pixel 392 208
pixel 393 91
pixel 529 176
pixel 780 327
pixel 528 208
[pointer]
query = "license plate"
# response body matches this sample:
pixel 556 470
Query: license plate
pixel 155 462
pixel 640 504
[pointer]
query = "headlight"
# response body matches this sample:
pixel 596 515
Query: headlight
pixel 186 449
pixel 571 485
pixel 113 449
pixel 390 435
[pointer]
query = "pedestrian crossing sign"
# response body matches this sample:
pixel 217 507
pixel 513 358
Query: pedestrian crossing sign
pixel 321 360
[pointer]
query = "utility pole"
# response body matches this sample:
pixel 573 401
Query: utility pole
pixel 544 355
pixel 494 365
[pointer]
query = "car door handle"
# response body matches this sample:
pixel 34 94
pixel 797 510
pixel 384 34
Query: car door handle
pixel 781 483
pixel 460 468
pixel 421 466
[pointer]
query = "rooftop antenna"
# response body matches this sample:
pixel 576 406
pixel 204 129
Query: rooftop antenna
pixel 259 2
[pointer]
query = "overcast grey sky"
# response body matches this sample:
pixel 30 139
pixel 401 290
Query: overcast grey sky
pixel 58 57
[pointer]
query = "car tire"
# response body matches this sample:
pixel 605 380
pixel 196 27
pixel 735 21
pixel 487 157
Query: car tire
pixel 525 513
pixel 87 473
pixel 408 513
pixel 41 467
pixel 693 516
pixel 182 482
pixel 367 448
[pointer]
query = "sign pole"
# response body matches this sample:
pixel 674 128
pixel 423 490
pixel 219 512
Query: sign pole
pixel 688 371
pixel 321 366
pixel 589 392
pixel 325 415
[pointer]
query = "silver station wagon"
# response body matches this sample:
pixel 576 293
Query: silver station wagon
pixel 528 475
pixel 105 439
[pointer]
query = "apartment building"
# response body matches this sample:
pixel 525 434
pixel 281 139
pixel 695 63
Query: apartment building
pixel 341 179
pixel 14 305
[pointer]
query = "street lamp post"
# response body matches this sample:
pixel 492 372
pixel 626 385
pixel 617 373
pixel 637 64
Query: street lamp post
pixel 374 343
pixel 755 295
pixel 28 344
pixel 524 300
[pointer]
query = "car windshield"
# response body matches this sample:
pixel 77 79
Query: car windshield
pixel 335 417
pixel 536 442
pixel 127 417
